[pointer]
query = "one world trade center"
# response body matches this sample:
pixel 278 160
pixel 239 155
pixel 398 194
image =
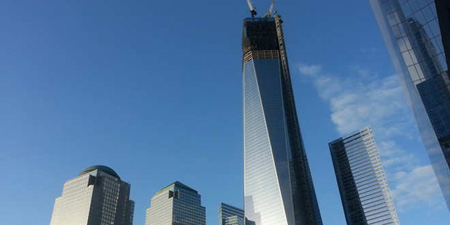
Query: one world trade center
pixel 278 188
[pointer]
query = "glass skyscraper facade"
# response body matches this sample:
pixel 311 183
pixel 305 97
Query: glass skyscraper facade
pixel 230 215
pixel 278 188
pixel 361 180
pixel 96 196
pixel 417 34
pixel 176 204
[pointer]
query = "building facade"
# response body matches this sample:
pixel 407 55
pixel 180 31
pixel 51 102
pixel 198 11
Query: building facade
pixel 97 196
pixel 365 193
pixel 176 204
pixel 230 215
pixel 417 34
pixel 278 188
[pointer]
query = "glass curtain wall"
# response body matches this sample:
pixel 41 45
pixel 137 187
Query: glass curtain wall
pixel 412 32
pixel 278 187
pixel 364 190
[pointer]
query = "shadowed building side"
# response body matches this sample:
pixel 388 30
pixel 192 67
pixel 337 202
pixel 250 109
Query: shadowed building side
pixel 443 14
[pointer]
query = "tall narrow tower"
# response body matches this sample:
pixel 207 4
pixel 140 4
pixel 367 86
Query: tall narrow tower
pixel 278 188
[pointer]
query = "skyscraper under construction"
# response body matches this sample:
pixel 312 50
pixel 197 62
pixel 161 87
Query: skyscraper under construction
pixel 278 188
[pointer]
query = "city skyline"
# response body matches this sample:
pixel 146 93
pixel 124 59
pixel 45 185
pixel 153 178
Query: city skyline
pixel 154 91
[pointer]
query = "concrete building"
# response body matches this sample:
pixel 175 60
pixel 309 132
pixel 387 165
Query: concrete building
pixel 97 196
pixel 176 204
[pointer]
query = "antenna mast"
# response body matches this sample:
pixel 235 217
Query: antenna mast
pixel 252 9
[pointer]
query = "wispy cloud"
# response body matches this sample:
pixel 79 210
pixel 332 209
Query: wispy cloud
pixel 362 98
pixel 417 186
pixel 395 157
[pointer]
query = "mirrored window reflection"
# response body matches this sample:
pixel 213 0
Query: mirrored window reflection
pixel 423 69
pixel 262 195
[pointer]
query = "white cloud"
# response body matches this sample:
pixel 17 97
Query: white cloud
pixel 418 185
pixel 395 158
pixel 310 70
pixel 359 100
pixel 364 98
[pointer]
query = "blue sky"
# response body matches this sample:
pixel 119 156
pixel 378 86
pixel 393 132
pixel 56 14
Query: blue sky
pixel 153 90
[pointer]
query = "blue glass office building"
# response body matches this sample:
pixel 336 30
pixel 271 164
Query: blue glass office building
pixel 365 193
pixel 278 188
pixel 230 215
pixel 417 34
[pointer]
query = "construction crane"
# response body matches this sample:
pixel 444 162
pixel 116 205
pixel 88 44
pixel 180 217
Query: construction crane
pixel 269 13
pixel 252 9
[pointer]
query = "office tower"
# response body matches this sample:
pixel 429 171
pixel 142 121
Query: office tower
pixel 230 215
pixel 362 183
pixel 417 34
pixel 278 188
pixel 96 196
pixel 176 204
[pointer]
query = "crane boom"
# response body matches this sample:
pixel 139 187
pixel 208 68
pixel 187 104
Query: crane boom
pixel 269 13
pixel 252 9
pixel 271 7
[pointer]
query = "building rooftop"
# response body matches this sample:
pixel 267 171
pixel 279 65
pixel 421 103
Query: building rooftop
pixel 104 169
pixel 177 184
pixel 230 206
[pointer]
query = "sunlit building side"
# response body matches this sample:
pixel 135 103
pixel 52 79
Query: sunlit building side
pixel 96 196
pixel 176 204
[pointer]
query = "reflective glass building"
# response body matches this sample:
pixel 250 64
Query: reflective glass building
pixel 96 196
pixel 176 204
pixel 230 215
pixel 278 188
pixel 365 193
pixel 417 34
